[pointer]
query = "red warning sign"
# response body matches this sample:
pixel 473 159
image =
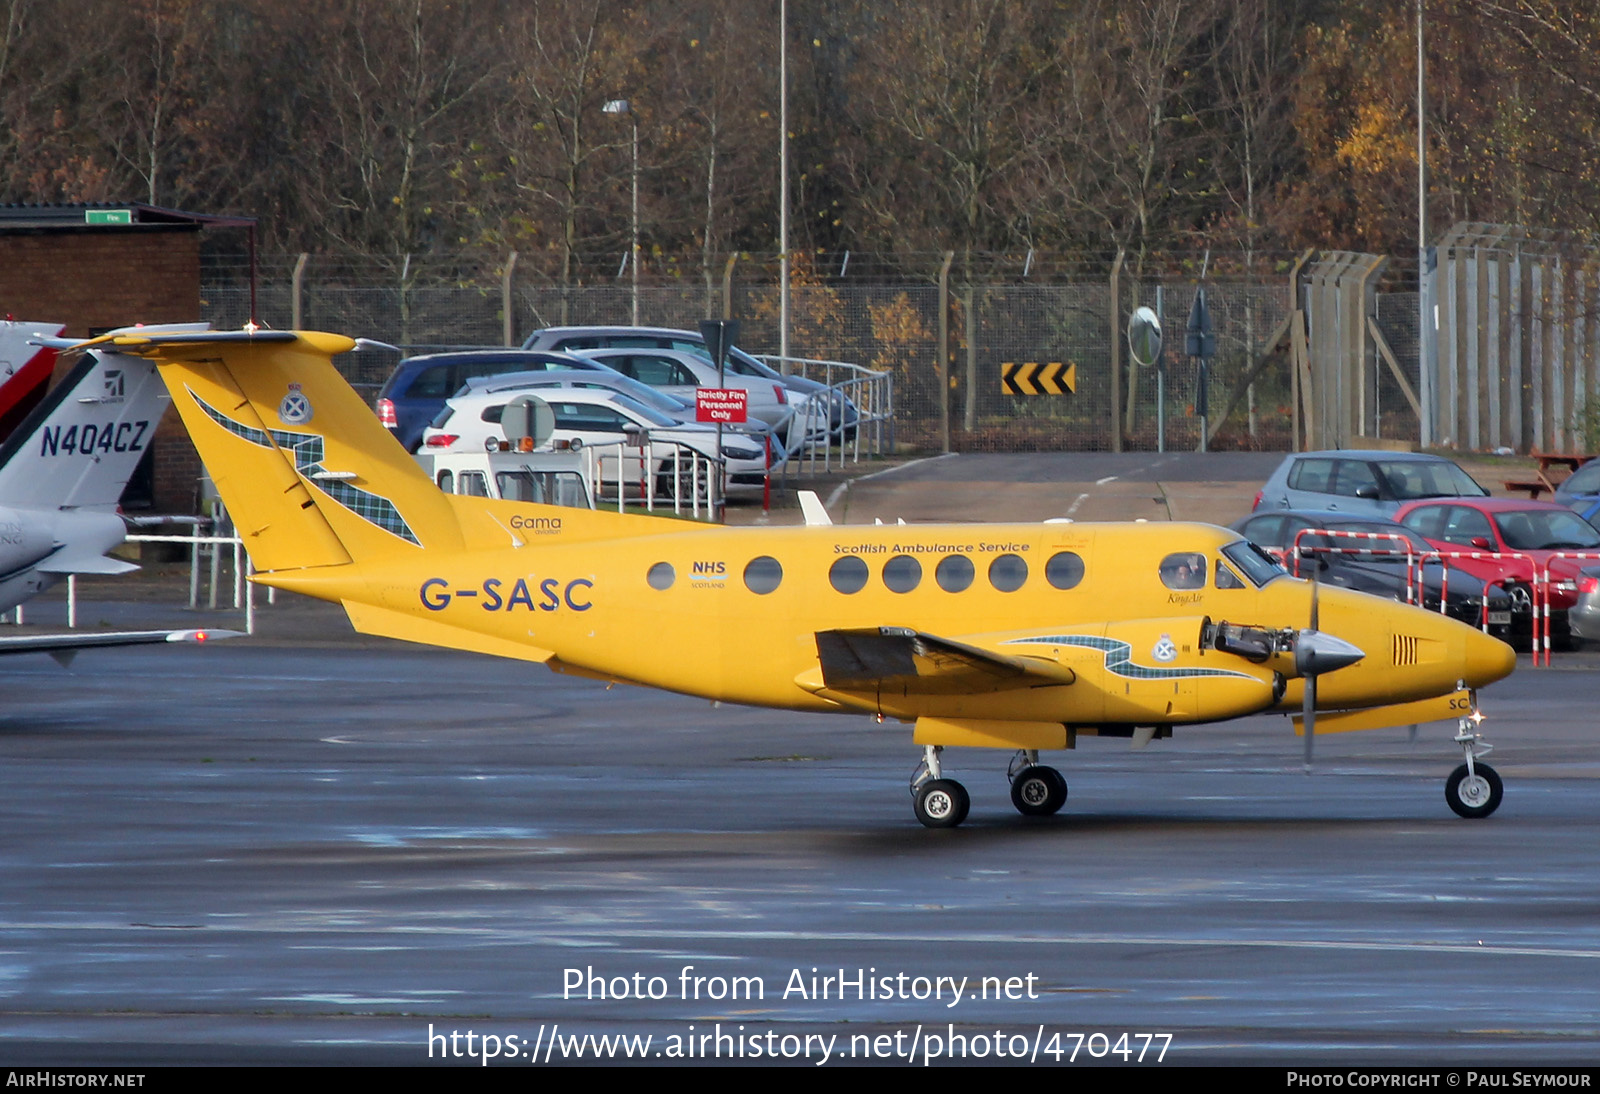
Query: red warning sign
pixel 720 404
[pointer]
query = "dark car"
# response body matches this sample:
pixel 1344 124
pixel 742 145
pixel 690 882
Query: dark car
pixel 418 387
pixel 1377 565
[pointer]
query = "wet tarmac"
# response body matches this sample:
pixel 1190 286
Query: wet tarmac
pixel 320 849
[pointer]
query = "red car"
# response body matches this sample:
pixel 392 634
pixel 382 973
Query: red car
pixel 1536 530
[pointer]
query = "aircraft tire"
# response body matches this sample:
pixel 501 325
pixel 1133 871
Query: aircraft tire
pixel 942 803
pixel 1038 791
pixel 1476 797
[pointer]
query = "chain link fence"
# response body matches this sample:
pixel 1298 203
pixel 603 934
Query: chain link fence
pixel 874 316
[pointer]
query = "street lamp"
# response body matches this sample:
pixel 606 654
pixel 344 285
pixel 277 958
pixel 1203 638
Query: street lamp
pixel 623 106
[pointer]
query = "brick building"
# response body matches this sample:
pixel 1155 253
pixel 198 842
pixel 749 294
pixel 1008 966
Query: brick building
pixel 97 266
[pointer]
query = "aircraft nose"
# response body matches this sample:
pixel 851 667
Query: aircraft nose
pixel 1487 659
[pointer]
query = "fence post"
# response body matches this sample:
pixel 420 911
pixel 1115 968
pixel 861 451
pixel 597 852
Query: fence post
pixel 509 327
pixel 1116 351
pixel 727 286
pixel 943 370
pixel 296 286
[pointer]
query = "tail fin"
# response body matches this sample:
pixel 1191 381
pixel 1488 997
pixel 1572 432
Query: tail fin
pixel 24 370
pixel 307 471
pixel 77 449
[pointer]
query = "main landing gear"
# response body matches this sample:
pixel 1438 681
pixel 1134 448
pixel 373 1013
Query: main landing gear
pixel 1473 789
pixel 1036 790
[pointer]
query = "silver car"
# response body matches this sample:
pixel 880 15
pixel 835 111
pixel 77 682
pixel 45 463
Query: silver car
pixel 680 372
pixel 1363 483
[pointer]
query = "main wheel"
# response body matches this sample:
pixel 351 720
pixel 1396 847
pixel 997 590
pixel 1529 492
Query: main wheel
pixel 942 803
pixel 1038 791
pixel 1476 795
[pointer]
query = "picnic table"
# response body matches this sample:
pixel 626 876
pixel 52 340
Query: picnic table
pixel 1553 468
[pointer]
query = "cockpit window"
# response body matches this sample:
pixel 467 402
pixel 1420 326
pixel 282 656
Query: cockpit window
pixel 1184 570
pixel 1256 565
pixel 1226 578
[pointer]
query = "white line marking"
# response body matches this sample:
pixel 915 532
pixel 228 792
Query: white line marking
pixel 1073 508
pixel 1108 478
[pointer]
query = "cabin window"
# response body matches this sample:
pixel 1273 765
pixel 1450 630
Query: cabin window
pixel 763 575
pixel 1008 573
pixel 848 574
pixel 1064 570
pixel 661 576
pixel 902 573
pixel 1226 578
pixel 1184 570
pixel 447 482
pixel 473 483
pixel 954 573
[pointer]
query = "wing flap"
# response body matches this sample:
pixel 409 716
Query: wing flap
pixel 915 663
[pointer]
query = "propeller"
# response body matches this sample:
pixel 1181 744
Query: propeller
pixel 1308 702
pixel 1314 654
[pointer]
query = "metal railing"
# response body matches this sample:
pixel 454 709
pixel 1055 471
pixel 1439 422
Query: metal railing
pixel 639 469
pixel 863 400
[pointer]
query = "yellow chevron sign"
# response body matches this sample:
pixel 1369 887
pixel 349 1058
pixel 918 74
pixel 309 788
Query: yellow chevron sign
pixel 1032 378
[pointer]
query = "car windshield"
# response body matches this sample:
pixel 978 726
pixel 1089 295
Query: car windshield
pixel 644 393
pixel 654 417
pixel 1412 479
pixel 1546 530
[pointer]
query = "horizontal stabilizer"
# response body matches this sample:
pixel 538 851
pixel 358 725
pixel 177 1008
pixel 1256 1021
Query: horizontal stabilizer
pixel 918 663
pixel 63 563
pixel 63 646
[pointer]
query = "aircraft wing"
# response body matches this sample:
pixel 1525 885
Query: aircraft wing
pixel 63 647
pixel 913 662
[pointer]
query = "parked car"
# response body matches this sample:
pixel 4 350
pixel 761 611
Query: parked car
pixel 1583 619
pixel 1536 530
pixel 1379 566
pixel 679 372
pixel 842 414
pixel 1363 482
pixel 419 385
pixel 1580 492
pixel 666 403
pixel 596 418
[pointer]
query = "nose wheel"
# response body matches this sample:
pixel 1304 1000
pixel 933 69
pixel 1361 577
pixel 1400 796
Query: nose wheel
pixel 1473 790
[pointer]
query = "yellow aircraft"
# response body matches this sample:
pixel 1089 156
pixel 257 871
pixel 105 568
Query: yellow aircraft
pixel 1022 637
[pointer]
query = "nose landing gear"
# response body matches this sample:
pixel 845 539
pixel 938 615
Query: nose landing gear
pixel 1473 790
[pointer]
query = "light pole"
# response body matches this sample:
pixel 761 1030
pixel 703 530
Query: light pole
pixel 623 106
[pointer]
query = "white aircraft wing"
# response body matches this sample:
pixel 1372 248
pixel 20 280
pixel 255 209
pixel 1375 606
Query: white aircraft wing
pixel 63 647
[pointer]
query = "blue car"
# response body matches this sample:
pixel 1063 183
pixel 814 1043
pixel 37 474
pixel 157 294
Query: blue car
pixel 1580 492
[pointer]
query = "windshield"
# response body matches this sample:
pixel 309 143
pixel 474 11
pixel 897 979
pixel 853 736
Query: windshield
pixel 1546 530
pixel 654 417
pixel 1412 479
pixel 1255 563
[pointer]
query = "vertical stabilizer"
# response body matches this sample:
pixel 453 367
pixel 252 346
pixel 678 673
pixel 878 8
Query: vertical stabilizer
pixel 268 408
pixel 77 449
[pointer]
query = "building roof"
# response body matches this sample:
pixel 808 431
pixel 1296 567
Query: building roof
pixel 90 215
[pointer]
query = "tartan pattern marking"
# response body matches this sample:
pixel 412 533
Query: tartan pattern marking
pixel 308 455
pixel 1119 657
